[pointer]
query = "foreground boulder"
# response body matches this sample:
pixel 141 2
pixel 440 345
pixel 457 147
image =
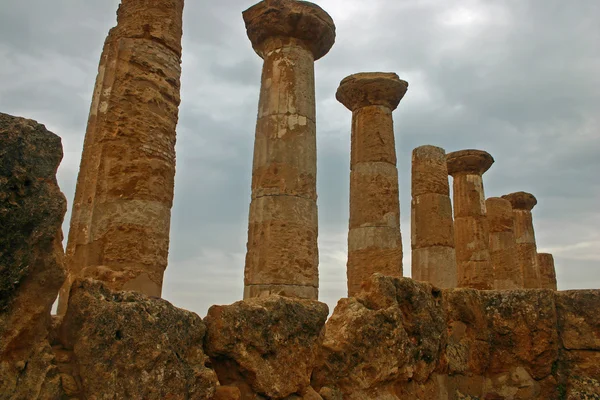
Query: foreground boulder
pixel 124 345
pixel 32 209
pixel 266 346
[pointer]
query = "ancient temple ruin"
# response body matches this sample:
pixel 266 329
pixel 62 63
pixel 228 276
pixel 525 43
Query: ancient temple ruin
pixel 481 317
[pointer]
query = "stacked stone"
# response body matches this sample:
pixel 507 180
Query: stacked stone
pixel 547 271
pixel 374 240
pixel 121 213
pixel 471 232
pixel 432 227
pixel 503 245
pixel 282 255
pixel 522 204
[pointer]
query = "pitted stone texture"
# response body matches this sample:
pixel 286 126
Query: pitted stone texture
pixel 126 345
pixel 375 196
pixel 432 226
pixel 547 271
pixel 270 343
pixel 373 136
pixel 371 89
pixel 470 161
pixel 522 204
pixel 32 209
pixel 579 320
pixel 503 245
pixel 280 20
pixel 391 333
pixel 125 185
pixel 429 171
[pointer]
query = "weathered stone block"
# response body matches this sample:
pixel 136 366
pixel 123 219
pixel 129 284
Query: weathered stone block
pixel 126 345
pixel 269 342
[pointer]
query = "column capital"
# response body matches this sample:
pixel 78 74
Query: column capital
pixel 300 20
pixel 521 200
pixel 371 89
pixel 469 162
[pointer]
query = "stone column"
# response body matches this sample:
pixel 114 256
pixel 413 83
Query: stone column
pixel 547 271
pixel 432 227
pixel 282 254
pixel 503 245
pixel 121 213
pixel 522 204
pixel 471 234
pixel 374 241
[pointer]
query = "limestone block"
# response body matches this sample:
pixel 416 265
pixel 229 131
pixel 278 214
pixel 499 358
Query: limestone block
pixel 32 269
pixel 578 319
pixel 282 242
pixel 127 345
pixel 523 330
pixel 372 135
pixel 393 331
pixel 431 223
pixel 472 255
pixel 429 171
pixel 436 265
pixel 271 342
pixel 285 157
pixel 374 200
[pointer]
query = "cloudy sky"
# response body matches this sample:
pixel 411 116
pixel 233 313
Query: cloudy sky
pixel 517 78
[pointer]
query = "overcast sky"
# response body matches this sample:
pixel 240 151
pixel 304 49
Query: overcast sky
pixel 517 78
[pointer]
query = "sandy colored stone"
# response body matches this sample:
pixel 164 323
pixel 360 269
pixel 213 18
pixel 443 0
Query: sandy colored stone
pixel 374 200
pixel 503 245
pixel 522 204
pixel 371 89
pixel 374 239
pixel 301 20
pixel 125 185
pixel 126 345
pixel 282 242
pixel 578 319
pixel 32 269
pixel 545 264
pixel 471 230
pixel 432 226
pixel 270 342
pixel 282 232
pixel 227 393
pixel 391 333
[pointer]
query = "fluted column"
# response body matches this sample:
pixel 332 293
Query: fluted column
pixel 547 271
pixel 282 255
pixel 432 226
pixel 471 234
pixel 374 241
pixel 121 213
pixel 522 204
pixel 503 245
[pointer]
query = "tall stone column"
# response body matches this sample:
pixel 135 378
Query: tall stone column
pixel 374 241
pixel 282 254
pixel 471 234
pixel 432 227
pixel 522 204
pixel 547 271
pixel 503 245
pixel 121 213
